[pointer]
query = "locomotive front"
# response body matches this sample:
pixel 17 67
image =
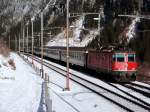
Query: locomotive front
pixel 124 66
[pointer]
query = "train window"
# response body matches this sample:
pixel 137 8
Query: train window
pixel 131 57
pixel 120 57
pixel 114 58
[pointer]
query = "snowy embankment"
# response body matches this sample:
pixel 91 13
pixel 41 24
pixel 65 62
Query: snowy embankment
pixel 20 88
pixel 76 37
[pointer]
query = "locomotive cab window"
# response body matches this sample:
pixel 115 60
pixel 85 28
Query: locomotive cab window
pixel 131 57
pixel 114 58
pixel 120 57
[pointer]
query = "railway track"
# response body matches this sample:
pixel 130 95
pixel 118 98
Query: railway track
pixel 126 103
pixel 141 86
pixel 143 91
pixel 130 92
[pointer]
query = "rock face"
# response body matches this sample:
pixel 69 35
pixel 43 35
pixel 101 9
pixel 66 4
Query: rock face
pixel 12 11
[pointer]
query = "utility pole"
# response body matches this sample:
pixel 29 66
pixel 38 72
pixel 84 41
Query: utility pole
pixel 9 41
pixel 19 42
pixel 99 26
pixel 42 42
pixel 23 37
pixel 67 42
pixel 15 43
pixel 27 41
pixel 32 21
pixel 21 34
pixel 140 6
pixel 82 6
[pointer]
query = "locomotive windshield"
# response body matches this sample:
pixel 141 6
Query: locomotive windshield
pixel 131 57
pixel 118 58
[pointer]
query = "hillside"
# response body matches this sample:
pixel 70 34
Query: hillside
pixel 114 30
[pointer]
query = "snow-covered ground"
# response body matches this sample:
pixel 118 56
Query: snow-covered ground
pixel 79 98
pixel 20 89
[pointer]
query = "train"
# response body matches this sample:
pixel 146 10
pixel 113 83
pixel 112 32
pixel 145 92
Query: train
pixel 120 64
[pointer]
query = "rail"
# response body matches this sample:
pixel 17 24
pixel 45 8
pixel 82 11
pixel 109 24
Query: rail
pixel 125 103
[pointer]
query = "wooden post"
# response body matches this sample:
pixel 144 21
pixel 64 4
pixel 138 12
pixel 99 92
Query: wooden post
pixel 48 101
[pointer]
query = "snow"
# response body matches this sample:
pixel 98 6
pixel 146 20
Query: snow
pixel 143 84
pixel 20 89
pixel 79 97
pixel 133 93
pixel 78 26
pixel 84 100
pixel 75 37
pixel 131 32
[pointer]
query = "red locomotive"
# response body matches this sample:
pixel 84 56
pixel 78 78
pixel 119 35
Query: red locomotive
pixel 121 64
